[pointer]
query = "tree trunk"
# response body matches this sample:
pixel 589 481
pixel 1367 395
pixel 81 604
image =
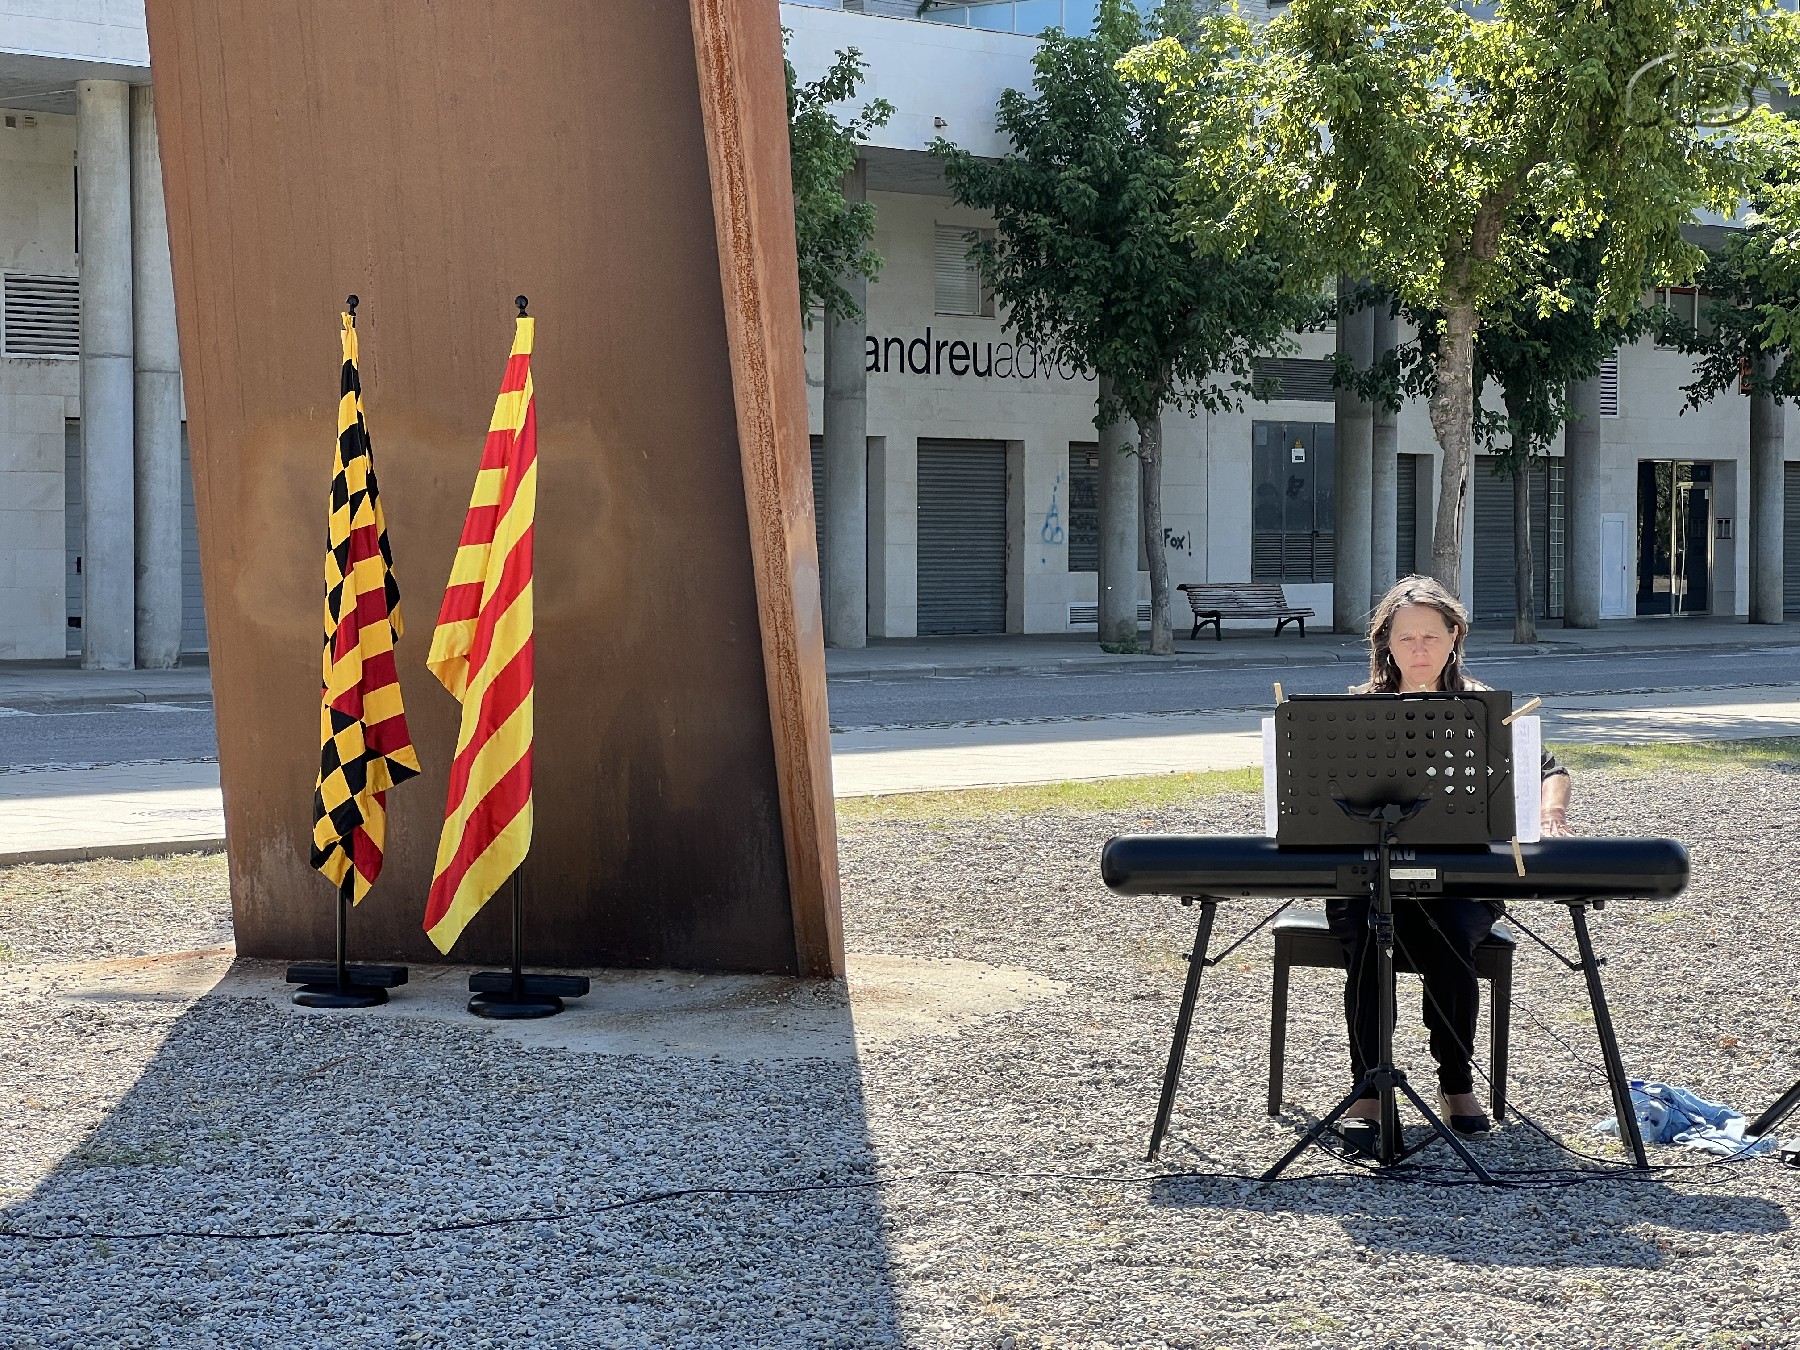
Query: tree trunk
pixel 1162 642
pixel 1118 581
pixel 1524 608
pixel 1453 419
pixel 1524 616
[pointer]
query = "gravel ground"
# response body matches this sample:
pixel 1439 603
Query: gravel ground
pixel 985 1189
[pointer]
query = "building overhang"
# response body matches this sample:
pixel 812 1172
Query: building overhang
pixel 46 84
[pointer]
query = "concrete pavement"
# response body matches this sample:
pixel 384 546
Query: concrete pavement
pixel 47 684
pixel 133 810
pixel 931 759
pixel 39 684
pixel 119 811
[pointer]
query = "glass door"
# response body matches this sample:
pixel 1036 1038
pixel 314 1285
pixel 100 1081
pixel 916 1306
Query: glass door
pixel 1674 537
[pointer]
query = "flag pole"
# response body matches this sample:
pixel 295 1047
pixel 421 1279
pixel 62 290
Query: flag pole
pixel 343 929
pixel 337 984
pixel 518 984
pixel 512 994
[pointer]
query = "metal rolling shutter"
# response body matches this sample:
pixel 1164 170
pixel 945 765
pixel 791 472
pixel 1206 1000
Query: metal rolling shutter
pixel 1406 516
pixel 1494 541
pixel 193 608
pixel 962 537
pixel 1790 543
pixel 818 481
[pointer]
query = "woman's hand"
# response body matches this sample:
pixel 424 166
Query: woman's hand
pixel 1556 806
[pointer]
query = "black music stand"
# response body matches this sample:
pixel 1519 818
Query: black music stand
pixel 1419 769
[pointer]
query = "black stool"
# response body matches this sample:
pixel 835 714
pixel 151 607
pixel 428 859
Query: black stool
pixel 1303 937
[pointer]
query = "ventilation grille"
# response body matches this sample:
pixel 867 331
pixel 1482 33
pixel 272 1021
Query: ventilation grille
pixel 1292 377
pixel 1609 386
pixel 43 316
pixel 1088 615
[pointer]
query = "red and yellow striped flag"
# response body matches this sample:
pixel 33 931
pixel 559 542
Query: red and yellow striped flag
pixel 481 652
pixel 364 745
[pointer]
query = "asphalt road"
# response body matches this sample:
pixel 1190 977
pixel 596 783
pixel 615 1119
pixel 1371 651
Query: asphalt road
pixel 122 733
pixel 109 734
pixel 938 700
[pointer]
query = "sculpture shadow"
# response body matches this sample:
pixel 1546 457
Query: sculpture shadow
pixel 278 1176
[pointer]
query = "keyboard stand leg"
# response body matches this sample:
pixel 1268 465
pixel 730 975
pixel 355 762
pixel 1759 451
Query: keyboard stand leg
pixel 1609 1043
pixel 1183 1022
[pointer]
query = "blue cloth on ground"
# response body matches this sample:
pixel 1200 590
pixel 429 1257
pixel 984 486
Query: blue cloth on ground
pixel 1668 1114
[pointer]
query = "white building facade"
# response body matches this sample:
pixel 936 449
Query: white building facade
pixel 981 511
pixel 98 555
pixel 978 502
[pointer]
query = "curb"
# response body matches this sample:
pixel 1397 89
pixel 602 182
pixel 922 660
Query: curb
pixel 1143 661
pixel 95 699
pixel 149 848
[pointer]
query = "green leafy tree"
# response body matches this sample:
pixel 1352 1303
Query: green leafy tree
pixel 1550 332
pixel 1409 142
pixel 832 232
pixel 1749 337
pixel 1091 258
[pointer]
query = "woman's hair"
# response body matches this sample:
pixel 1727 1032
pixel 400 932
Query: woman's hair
pixel 1384 674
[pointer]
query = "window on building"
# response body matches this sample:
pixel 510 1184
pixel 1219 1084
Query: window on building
pixel 960 286
pixel 1687 304
pixel 1609 386
pixel 1292 475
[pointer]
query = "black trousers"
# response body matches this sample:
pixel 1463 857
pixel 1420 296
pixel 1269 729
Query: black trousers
pixel 1438 937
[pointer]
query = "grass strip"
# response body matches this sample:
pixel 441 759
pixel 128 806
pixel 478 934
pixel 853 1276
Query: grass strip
pixel 1177 789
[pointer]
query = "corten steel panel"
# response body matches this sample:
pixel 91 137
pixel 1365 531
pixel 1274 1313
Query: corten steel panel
pixel 437 160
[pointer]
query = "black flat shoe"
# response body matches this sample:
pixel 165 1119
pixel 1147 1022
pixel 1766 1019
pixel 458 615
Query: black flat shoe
pixel 1469 1127
pixel 1362 1135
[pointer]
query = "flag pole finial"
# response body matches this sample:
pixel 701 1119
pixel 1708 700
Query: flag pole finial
pixel 521 302
pixel 351 301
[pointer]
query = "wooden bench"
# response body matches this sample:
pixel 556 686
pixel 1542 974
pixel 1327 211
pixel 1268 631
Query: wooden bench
pixel 1213 601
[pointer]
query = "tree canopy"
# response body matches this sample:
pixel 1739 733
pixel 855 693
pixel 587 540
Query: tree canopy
pixel 1091 256
pixel 833 234
pixel 1444 156
pixel 1749 295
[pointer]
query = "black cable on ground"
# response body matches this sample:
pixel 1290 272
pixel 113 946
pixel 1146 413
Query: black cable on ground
pixel 1415 1174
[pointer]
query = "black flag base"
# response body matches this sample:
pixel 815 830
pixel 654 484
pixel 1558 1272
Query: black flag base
pixel 509 1006
pixel 334 984
pixel 512 995
pixel 340 996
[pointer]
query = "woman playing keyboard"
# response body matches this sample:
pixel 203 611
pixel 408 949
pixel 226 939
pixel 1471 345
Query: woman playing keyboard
pixel 1415 646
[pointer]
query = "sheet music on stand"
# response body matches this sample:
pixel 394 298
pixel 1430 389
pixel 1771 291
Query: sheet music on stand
pixel 1527 797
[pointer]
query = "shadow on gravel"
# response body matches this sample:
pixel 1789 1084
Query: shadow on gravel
pixel 1549 1211
pixel 274 1177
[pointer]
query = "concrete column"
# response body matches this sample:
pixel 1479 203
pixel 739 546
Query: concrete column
pixel 1119 531
pixel 1767 488
pixel 1355 443
pixel 156 403
pixel 1581 506
pixel 1384 474
pixel 846 505
pixel 103 156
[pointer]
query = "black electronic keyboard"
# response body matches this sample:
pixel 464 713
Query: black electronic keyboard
pixel 1230 867
pixel 1579 873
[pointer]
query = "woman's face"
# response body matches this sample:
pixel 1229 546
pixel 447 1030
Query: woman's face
pixel 1421 641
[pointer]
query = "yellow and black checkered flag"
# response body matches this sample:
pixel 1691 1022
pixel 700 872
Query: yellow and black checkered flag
pixel 364 745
